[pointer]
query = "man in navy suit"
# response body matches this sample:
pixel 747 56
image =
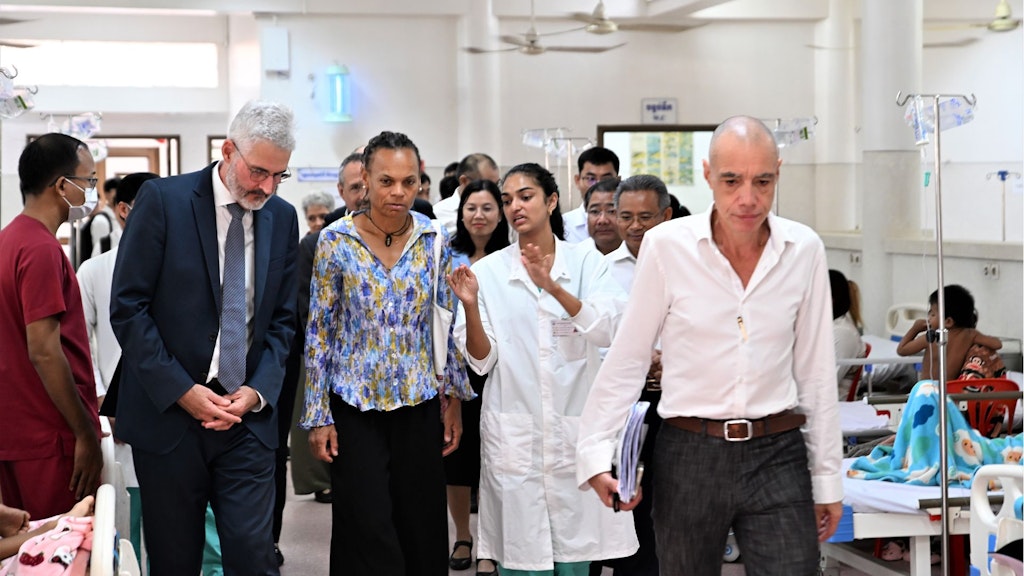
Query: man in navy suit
pixel 203 427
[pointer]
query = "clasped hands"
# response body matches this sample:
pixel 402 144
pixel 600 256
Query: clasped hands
pixel 217 412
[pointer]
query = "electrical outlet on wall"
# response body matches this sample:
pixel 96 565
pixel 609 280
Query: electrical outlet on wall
pixel 855 258
pixel 990 271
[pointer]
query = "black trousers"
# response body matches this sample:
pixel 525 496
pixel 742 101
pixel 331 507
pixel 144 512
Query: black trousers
pixel 285 406
pixel 234 472
pixel 390 514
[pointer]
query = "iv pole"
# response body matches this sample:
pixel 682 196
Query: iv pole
pixel 901 100
pixel 1003 175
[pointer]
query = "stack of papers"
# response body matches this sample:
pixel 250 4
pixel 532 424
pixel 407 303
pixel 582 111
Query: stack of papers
pixel 627 459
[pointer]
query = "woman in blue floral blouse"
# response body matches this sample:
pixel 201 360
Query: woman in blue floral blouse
pixel 373 403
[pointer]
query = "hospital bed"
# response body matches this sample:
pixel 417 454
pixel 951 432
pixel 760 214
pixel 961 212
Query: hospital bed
pixel 112 555
pixel 876 509
pixel 991 529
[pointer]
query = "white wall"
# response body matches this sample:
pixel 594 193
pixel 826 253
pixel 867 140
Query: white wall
pixel 408 74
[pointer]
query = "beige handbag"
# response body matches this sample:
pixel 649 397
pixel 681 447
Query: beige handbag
pixel 441 321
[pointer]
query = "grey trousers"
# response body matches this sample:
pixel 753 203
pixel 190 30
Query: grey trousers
pixel 761 488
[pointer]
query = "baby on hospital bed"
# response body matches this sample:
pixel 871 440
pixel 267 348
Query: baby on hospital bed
pixel 56 546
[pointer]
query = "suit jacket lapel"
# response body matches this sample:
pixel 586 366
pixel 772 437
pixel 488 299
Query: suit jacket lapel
pixel 206 223
pixel 263 229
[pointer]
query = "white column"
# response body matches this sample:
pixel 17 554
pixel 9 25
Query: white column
pixel 835 100
pixel 890 62
pixel 478 100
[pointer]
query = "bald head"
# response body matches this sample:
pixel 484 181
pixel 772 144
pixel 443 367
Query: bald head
pixel 742 129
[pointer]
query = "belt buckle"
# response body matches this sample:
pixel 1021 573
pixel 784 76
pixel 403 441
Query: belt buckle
pixel 731 438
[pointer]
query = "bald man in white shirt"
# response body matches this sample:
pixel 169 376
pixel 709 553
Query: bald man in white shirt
pixel 740 300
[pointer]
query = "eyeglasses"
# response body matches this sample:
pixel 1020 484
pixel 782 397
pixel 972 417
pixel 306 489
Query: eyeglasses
pixel 644 219
pixel 258 174
pixel 597 212
pixel 92 182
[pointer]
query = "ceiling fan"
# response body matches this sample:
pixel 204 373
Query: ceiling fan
pixel 529 42
pixel 1002 22
pixel 597 22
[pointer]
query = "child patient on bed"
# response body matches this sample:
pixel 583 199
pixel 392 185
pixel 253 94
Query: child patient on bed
pixel 962 337
pixel 34 546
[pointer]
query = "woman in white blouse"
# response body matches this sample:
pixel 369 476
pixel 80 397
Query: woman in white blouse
pixel 533 317
pixel 844 331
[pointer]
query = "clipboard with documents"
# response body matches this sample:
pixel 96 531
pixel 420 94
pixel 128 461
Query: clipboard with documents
pixel 627 464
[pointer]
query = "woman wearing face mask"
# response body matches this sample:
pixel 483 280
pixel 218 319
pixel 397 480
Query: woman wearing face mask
pixel 533 317
pixel 480 229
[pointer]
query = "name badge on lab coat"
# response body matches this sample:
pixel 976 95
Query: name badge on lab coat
pixel 563 328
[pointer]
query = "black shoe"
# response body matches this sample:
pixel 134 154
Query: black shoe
pixel 278 555
pixel 493 572
pixel 324 496
pixel 461 563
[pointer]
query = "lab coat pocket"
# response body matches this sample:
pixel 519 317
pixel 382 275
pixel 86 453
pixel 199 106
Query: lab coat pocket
pixel 572 347
pixel 566 435
pixel 507 444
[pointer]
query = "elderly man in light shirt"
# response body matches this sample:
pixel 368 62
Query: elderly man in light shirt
pixel 740 301
pixel 641 203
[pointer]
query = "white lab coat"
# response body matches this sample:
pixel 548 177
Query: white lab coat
pixel 532 512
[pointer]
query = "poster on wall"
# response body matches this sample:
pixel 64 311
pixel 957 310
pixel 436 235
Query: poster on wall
pixel 667 155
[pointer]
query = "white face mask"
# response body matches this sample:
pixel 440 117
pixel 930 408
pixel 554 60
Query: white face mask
pixel 91 199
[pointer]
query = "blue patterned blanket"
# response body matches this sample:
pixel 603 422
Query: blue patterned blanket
pixel 914 456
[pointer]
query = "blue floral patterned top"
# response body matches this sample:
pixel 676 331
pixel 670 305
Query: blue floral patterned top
pixel 369 339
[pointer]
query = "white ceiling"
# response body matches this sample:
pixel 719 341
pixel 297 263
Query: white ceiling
pixel 661 10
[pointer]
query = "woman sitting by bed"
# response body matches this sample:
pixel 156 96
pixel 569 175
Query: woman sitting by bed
pixel 25 543
pixel 845 332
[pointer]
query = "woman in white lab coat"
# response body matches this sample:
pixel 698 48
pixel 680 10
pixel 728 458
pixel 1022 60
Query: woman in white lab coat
pixel 533 317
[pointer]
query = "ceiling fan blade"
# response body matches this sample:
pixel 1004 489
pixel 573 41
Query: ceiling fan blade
pixel 12 44
pixel 5 21
pixel 584 49
pixel 950 43
pixel 961 26
pixel 660 28
pixel 556 33
pixel 820 47
pixel 517 40
pixel 475 50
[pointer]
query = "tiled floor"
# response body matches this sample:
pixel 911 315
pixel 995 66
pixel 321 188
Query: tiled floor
pixel 305 542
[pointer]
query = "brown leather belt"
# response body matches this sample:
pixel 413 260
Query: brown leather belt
pixel 740 429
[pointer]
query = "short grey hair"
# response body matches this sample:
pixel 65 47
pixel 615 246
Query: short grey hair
pixel 263 120
pixel 317 199
pixel 642 182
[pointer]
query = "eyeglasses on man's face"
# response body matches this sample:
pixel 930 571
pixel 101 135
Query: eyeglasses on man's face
pixel 598 212
pixel 258 174
pixel 92 182
pixel 644 218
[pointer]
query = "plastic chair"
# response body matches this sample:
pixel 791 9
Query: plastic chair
pixel 852 394
pixel 980 413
